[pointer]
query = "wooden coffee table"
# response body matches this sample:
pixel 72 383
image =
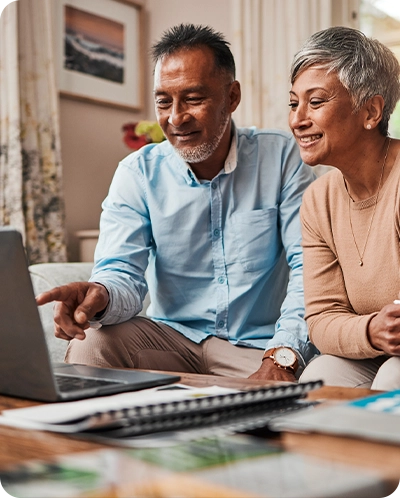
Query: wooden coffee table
pixel 20 445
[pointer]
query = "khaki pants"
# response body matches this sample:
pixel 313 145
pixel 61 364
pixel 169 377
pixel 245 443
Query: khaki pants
pixel 380 373
pixel 145 344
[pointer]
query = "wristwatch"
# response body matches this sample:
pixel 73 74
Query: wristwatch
pixel 283 357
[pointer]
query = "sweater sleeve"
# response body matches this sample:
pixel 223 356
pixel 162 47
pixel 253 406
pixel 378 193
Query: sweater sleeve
pixel 334 327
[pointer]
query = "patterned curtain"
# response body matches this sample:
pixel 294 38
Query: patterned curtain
pixel 267 34
pixel 30 161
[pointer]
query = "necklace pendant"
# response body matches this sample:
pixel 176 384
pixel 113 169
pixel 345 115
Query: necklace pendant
pixel 360 262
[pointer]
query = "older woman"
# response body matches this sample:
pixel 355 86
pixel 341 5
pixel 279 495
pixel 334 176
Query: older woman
pixel 344 88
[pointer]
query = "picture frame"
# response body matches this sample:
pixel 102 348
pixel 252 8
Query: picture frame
pixel 99 52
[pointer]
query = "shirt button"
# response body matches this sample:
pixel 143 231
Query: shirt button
pixel 214 186
pixel 221 280
pixel 220 324
pixel 216 232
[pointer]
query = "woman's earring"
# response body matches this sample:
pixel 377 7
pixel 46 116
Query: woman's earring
pixel 368 126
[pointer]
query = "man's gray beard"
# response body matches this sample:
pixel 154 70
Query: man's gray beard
pixel 200 153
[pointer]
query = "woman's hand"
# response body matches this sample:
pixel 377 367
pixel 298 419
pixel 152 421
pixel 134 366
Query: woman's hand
pixel 384 330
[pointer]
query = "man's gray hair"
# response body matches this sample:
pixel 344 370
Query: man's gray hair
pixel 365 67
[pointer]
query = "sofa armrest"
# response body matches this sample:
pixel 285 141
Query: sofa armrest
pixel 44 277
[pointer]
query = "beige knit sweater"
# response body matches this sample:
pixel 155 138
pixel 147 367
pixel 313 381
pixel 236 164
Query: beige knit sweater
pixel 341 296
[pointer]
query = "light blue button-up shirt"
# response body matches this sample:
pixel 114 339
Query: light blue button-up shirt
pixel 217 254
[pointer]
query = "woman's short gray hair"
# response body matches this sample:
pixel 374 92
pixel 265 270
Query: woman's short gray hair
pixel 365 67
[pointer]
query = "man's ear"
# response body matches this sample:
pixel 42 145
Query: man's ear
pixel 373 111
pixel 235 95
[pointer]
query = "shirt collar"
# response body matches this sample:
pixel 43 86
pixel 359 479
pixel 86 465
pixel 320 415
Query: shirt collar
pixel 231 159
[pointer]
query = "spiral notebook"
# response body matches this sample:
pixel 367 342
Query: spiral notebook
pixel 171 408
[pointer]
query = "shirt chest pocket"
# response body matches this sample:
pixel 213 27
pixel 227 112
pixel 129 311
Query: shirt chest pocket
pixel 256 238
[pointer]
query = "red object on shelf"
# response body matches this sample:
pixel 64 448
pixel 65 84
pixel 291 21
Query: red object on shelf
pixel 131 139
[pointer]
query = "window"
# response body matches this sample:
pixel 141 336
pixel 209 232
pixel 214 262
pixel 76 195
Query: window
pixel 380 19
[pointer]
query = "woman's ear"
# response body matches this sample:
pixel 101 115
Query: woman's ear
pixel 373 112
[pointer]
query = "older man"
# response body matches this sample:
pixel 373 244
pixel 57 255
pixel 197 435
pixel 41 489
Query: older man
pixel 212 216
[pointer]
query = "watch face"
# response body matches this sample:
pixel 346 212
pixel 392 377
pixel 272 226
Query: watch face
pixel 285 357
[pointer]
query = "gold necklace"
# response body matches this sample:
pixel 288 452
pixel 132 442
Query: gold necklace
pixel 361 255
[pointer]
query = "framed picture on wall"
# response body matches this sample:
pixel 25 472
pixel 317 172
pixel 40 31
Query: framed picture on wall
pixel 99 52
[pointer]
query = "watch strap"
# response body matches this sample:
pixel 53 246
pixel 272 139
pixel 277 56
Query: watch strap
pixel 269 353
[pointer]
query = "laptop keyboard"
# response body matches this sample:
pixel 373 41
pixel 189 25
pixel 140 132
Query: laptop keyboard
pixel 67 383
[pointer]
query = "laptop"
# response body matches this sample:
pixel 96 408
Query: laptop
pixel 25 367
